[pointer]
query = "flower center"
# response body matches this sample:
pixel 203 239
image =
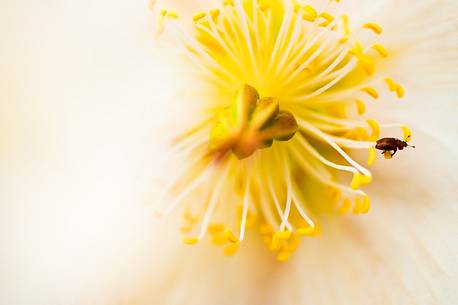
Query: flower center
pixel 310 75
pixel 251 123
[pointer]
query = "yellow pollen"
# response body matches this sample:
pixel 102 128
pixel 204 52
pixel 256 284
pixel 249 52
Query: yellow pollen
pixel 395 87
pixel 283 256
pixel 345 207
pixel 371 91
pixel 199 16
pixel 216 228
pixel 399 91
pixel 387 155
pixel 218 239
pixel 360 106
pixel 366 205
pixel 305 230
pixel 407 133
pixel 377 29
pixel 214 13
pixel 309 13
pixel 357 206
pixel 328 18
pixel 371 156
pixel 230 236
pixel 380 49
pixel 230 250
pixel 375 127
pixel 190 240
pixel 359 179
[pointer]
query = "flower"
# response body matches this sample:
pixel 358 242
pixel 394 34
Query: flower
pixel 283 88
pixel 78 149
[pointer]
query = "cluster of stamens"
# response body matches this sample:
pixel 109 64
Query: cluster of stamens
pixel 285 77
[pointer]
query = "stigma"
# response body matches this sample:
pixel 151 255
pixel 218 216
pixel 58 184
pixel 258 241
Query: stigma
pixel 285 92
pixel 251 123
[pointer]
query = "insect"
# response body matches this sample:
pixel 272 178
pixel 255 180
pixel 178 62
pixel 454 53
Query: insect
pixel 391 144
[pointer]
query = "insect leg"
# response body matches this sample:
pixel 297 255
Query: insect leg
pixel 394 151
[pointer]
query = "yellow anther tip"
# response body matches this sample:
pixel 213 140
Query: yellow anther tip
pixel 284 235
pixel 305 230
pixel 387 155
pixel 372 155
pixel 231 249
pixel 391 84
pixel 230 236
pixel 215 228
pixel 371 91
pixel 361 107
pixel 265 229
pixel 345 207
pixel 380 49
pixel 283 256
pixel 190 240
pixel 198 16
pixel 377 29
pixel 366 205
pixel 218 239
pixel 400 91
pixel 407 133
pixel 375 127
pixel 358 205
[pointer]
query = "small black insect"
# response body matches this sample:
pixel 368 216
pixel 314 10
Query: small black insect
pixel 391 144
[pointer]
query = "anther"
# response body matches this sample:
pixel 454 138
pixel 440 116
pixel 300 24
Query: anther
pixel 345 207
pixel 380 49
pixel 371 91
pixel 371 156
pixel 375 127
pixel 231 236
pixel 190 240
pixel 377 29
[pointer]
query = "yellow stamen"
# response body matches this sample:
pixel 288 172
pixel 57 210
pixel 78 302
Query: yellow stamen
pixel 230 250
pixel 407 133
pixel 214 13
pixel 359 179
pixel 230 236
pixel 371 91
pixel 372 155
pixel 366 205
pixel 216 228
pixel 309 13
pixel 387 155
pixel 375 127
pixel 377 29
pixel 190 240
pixel 380 49
pixel 345 207
pixel 361 107
pixel 219 239
pixel 328 18
pixel 399 91
pixel 391 84
pixel 358 205
pixel 308 230
pixel 283 256
pixel 198 16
